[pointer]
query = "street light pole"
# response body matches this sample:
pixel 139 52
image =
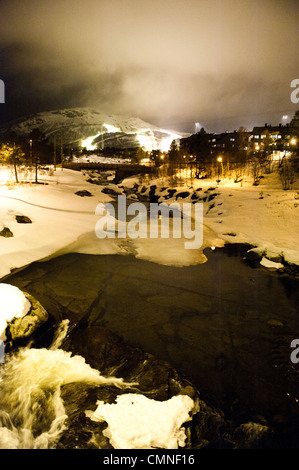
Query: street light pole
pixel 61 152
pixel 54 152
pixel 31 159
pixel 219 159
pixel 36 164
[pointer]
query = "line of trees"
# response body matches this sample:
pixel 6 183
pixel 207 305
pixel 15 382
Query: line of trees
pixel 25 154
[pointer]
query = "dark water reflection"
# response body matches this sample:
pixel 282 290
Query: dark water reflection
pixel 222 324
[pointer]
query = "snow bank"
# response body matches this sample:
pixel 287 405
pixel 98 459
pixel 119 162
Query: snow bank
pixel 270 264
pixel 13 304
pixel 264 216
pixel 58 217
pixel 137 422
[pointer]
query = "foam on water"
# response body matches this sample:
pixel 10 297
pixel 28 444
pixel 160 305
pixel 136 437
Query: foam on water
pixel 32 414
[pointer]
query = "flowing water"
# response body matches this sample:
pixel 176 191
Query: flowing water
pixel 224 325
pixel 32 414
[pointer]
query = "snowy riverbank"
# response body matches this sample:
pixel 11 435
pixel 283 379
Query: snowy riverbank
pixel 264 216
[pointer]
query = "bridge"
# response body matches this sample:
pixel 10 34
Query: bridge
pixel 122 170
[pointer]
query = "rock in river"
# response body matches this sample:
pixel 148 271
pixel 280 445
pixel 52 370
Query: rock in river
pixel 23 327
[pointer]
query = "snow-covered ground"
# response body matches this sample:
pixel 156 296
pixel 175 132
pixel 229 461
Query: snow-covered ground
pixel 137 422
pixel 265 216
pixel 64 222
pixel 58 217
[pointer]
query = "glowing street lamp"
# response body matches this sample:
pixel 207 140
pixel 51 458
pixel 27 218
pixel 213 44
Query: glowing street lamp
pixel 219 160
pixel 293 141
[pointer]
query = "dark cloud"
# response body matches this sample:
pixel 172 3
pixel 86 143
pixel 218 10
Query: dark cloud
pixel 172 62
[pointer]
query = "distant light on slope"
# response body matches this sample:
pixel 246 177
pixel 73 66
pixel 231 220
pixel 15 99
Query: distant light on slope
pixel 88 142
pixel 111 129
pixel 145 136
pixel 166 141
pixel 147 140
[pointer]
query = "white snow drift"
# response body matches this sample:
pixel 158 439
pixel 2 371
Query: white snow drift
pixel 13 304
pixel 138 422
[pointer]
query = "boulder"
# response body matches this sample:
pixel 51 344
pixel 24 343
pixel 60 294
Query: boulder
pixel 152 194
pixel 6 233
pixel 253 258
pixel 112 190
pixel 83 193
pixel 24 327
pixel 183 194
pixel 170 194
pixel 23 219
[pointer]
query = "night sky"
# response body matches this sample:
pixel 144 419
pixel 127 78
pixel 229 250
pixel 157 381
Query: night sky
pixel 224 63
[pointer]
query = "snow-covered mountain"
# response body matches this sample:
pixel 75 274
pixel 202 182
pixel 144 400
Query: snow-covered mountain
pixel 87 127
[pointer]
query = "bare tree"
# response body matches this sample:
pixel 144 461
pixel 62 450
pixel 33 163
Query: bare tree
pixel 12 154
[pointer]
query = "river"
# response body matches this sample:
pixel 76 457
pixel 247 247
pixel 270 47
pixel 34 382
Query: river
pixel 222 324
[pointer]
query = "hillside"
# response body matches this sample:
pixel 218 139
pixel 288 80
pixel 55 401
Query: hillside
pixel 86 126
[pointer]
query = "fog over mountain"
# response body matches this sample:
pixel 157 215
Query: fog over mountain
pixel 172 62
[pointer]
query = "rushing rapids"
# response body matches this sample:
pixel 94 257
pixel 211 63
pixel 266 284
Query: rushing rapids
pixel 32 414
pixel 35 382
